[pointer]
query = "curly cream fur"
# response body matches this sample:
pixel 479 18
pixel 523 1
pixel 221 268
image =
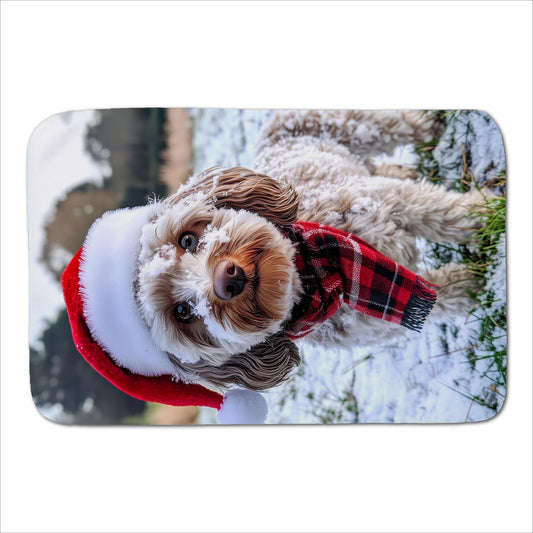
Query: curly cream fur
pixel 311 165
pixel 325 156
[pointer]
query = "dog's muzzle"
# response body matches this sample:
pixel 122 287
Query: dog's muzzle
pixel 228 280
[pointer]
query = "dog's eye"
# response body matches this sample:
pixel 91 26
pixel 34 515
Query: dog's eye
pixel 188 241
pixel 183 312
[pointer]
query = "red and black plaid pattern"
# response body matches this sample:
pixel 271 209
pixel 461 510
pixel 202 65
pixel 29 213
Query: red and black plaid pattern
pixel 336 267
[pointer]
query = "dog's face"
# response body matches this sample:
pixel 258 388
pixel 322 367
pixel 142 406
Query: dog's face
pixel 213 282
pixel 216 278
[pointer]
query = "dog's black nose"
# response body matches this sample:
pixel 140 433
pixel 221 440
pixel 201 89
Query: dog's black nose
pixel 229 280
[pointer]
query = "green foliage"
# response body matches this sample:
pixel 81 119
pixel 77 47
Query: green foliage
pixel 428 166
pixel 480 256
pixel 342 409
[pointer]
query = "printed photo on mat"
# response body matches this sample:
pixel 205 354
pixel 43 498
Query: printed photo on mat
pixel 227 266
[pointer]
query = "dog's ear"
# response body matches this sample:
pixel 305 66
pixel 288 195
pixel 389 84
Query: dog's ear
pixel 263 366
pixel 241 188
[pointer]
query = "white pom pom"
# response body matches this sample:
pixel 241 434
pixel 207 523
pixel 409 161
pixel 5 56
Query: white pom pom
pixel 243 407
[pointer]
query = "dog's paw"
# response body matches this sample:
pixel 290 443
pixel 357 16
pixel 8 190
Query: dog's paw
pixel 477 205
pixel 456 286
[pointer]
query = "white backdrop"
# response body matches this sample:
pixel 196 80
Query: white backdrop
pixel 77 55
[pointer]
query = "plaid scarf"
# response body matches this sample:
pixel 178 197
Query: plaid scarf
pixel 336 267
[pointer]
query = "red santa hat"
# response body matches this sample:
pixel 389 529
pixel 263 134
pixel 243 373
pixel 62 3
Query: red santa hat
pixel 110 334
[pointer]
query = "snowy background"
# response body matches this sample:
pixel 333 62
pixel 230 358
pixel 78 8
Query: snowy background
pixel 426 378
pixel 57 162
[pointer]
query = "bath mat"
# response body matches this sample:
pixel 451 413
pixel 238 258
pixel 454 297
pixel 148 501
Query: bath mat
pixel 229 266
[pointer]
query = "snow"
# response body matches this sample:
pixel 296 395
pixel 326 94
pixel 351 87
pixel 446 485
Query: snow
pixel 161 262
pixel 57 162
pixel 480 137
pixel 425 378
pixel 213 236
pixel 225 136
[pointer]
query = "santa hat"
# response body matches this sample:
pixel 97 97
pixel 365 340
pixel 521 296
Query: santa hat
pixel 110 334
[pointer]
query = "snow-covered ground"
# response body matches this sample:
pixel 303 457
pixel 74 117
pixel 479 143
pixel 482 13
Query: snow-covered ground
pixel 426 378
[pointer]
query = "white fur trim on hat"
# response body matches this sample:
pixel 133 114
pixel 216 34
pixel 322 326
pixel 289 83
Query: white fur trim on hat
pixel 107 273
pixel 243 407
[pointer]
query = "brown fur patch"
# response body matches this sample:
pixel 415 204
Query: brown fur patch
pixel 241 188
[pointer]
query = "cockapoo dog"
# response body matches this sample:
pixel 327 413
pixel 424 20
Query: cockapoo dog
pixel 216 280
